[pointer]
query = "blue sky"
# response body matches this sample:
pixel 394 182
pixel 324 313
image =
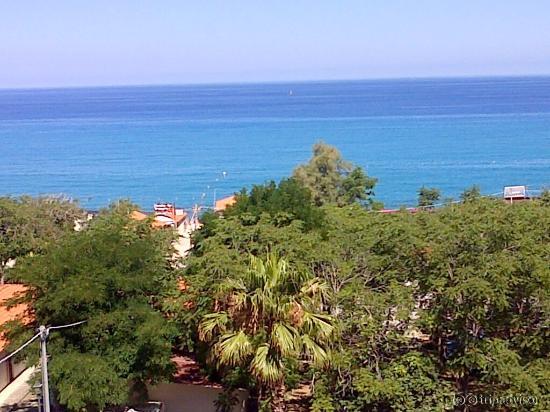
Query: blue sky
pixel 115 42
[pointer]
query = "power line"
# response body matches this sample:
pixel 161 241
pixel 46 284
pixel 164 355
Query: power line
pixel 43 334
pixel 68 325
pixel 27 343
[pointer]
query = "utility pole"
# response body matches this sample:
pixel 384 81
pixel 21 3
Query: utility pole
pixel 44 332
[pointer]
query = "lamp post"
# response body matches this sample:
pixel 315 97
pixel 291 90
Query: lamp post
pixel 224 174
pixel 44 332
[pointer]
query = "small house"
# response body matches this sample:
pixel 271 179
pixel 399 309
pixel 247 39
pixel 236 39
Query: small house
pixel 515 193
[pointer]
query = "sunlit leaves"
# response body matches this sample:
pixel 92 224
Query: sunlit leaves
pixel 232 349
pixel 213 322
pixel 269 370
pixel 115 275
pixel 331 179
pixel 285 339
pixel 426 303
pixel 268 316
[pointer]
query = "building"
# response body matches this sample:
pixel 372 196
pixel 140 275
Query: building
pixel 167 216
pixel 224 203
pixel 515 193
pixel 164 215
pixel 10 369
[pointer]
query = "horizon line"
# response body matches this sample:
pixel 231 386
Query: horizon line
pixel 260 82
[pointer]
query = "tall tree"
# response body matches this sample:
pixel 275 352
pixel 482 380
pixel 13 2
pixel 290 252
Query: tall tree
pixel 427 305
pixel 268 317
pixel 485 281
pixel 332 179
pixel 113 275
pixel 428 196
pixel 471 194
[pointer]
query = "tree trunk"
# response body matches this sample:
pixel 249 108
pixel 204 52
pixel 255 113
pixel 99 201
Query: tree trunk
pixel 278 398
pixel 253 402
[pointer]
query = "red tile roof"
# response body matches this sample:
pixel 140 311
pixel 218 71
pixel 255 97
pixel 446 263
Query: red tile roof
pixel 161 220
pixel 224 203
pixel 17 312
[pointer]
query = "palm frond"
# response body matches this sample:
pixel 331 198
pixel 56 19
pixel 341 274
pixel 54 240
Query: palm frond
pixel 277 269
pixel 238 300
pixel 256 276
pixel 315 352
pixel 317 324
pixel 233 348
pixel 271 317
pixel 211 324
pixel 315 288
pixel 265 367
pixel 285 339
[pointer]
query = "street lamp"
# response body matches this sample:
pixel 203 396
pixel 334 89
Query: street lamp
pixel 224 174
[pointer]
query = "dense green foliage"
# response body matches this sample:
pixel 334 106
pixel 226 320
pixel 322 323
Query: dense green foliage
pixel 302 283
pixel 284 203
pixel 471 194
pixel 333 180
pixel 29 225
pixel 428 305
pixel 428 196
pixel 115 275
pixel 265 319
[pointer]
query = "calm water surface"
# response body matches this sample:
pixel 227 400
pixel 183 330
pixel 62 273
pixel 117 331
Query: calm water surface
pixel 173 143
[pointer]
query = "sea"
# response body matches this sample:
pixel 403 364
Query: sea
pixel 192 144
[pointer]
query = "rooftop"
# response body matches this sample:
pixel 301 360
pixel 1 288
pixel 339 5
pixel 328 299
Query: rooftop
pixel 224 203
pixel 17 312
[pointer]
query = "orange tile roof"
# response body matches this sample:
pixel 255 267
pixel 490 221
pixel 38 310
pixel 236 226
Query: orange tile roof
pixel 17 312
pixel 137 215
pixel 159 223
pixel 180 217
pixel 222 204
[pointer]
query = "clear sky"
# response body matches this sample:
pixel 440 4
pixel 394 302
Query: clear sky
pixel 112 42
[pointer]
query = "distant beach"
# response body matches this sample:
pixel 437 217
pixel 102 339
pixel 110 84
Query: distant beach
pixel 174 143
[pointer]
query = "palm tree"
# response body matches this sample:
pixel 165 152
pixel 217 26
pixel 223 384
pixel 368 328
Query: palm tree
pixel 270 315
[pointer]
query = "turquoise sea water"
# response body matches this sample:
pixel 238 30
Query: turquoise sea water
pixel 173 143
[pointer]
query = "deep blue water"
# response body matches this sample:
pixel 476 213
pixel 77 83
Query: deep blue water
pixel 172 143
